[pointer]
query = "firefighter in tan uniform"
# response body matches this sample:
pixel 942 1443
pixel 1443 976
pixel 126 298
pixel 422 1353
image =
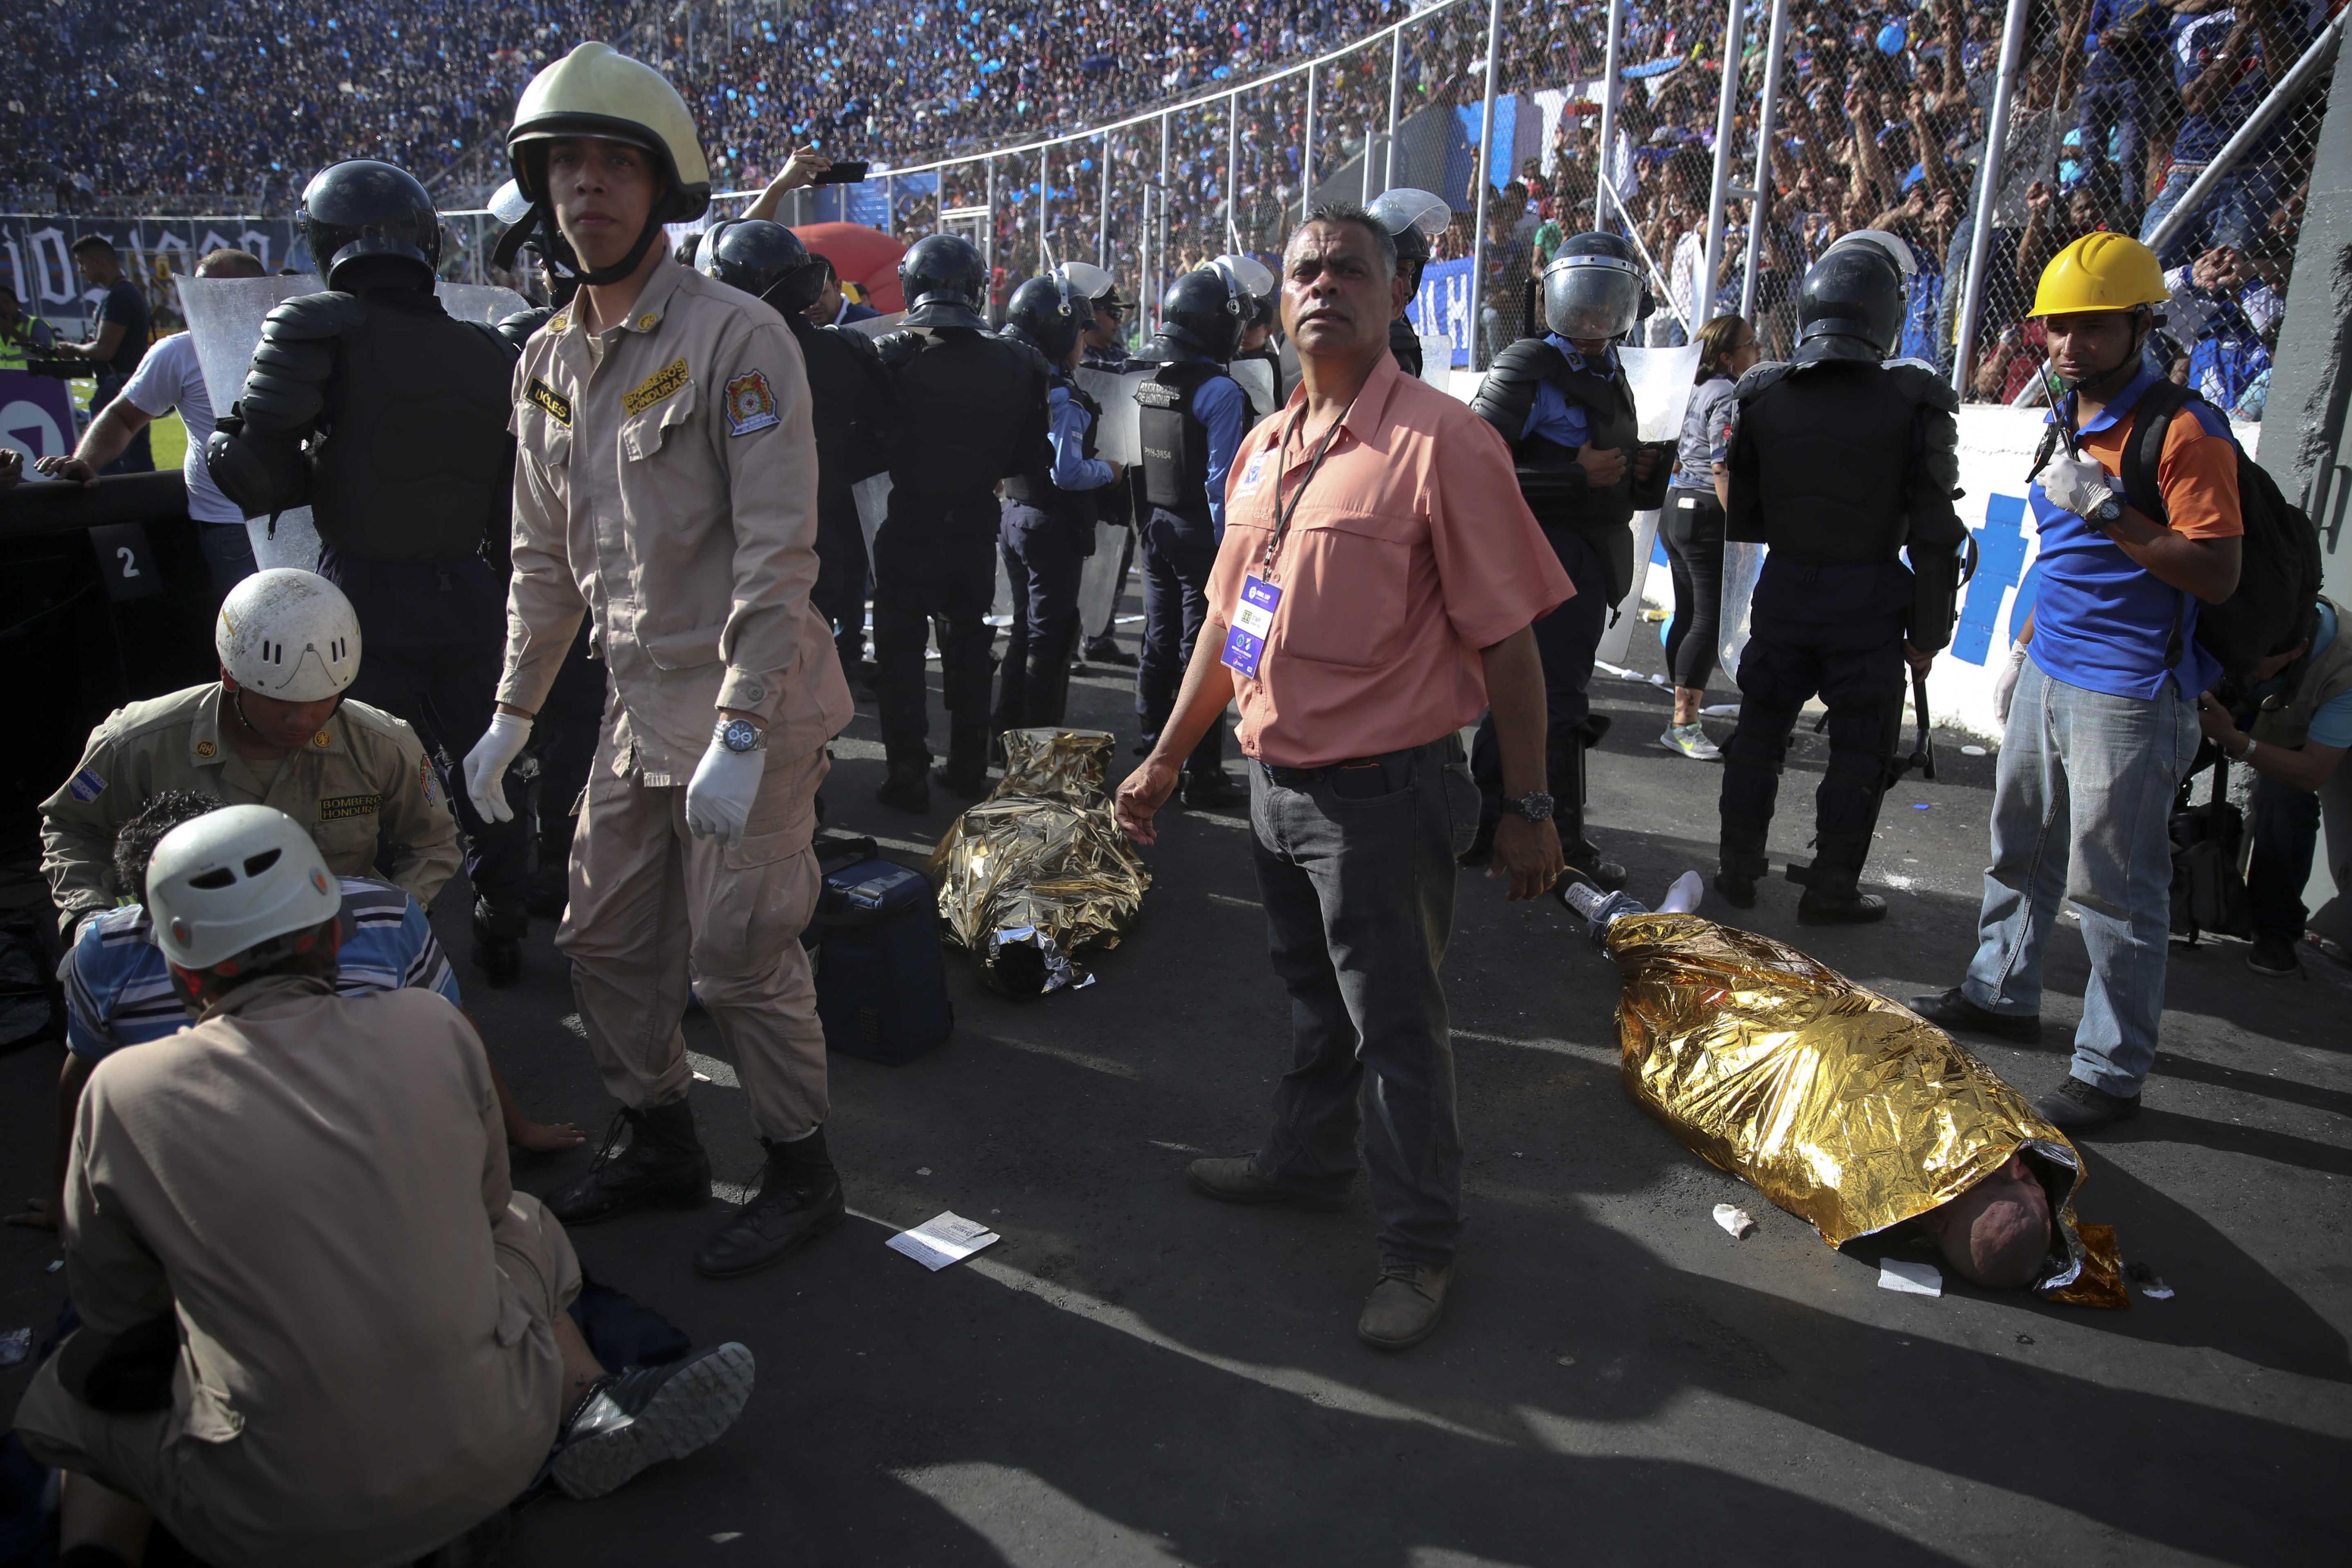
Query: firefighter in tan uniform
pixel 274 730
pixel 666 484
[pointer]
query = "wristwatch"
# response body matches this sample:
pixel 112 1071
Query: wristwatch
pixel 740 735
pixel 2106 514
pixel 1535 805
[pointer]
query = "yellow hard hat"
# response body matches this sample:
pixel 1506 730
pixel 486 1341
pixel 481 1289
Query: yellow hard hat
pixel 596 90
pixel 2100 272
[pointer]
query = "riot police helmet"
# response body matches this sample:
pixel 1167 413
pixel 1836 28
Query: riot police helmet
pixel 1204 310
pixel 1853 293
pixel 944 281
pixel 1047 313
pixel 764 260
pixel 597 92
pixel 1594 288
pixel 1413 217
pixel 369 222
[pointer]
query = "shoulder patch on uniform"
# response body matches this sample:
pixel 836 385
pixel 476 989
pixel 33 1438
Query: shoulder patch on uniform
pixel 750 406
pixel 334 808
pixel 662 383
pixel 86 785
pixel 424 777
pixel 558 407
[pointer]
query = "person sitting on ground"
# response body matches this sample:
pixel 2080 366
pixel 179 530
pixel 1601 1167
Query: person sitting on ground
pixel 317 1324
pixel 119 993
pixel 274 730
pixel 2301 725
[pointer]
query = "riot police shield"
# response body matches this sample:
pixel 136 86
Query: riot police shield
pixel 1660 381
pixel 224 317
pixel 1118 440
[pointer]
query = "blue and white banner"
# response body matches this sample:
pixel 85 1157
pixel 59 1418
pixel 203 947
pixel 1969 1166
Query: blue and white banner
pixel 1441 308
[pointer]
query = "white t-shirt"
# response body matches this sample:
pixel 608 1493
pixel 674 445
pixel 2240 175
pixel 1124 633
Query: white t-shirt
pixel 168 378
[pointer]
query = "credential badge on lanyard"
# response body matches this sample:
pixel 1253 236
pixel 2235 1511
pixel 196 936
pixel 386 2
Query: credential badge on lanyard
pixel 1254 615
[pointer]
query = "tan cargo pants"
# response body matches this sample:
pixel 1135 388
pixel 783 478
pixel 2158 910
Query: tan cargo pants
pixel 649 898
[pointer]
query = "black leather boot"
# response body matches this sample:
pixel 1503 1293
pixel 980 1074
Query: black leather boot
pixel 1568 816
pixel 908 789
pixel 965 772
pixel 1833 893
pixel 499 930
pixel 799 1200
pixel 662 1164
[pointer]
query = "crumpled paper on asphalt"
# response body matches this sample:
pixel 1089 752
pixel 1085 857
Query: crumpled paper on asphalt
pixel 1843 1108
pixel 1039 871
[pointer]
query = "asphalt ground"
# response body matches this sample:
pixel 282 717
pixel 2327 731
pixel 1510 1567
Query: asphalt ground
pixel 1135 1375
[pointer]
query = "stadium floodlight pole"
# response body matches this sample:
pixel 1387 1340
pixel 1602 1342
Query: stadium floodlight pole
pixel 1609 84
pixel 1482 176
pixel 1726 108
pixel 1396 100
pixel 2012 56
pixel 1776 43
pixel 1307 149
pixel 1102 211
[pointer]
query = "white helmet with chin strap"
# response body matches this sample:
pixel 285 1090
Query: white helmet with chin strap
pixel 239 887
pixel 288 633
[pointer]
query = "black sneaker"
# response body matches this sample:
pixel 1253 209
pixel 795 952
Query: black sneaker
pixel 799 1199
pixel 649 1414
pixel 1738 891
pixel 1954 1011
pixel 1820 909
pixel 2275 957
pixel 662 1164
pixel 2078 1107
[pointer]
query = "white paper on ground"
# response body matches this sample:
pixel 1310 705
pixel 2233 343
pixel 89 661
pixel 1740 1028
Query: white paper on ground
pixel 944 1238
pixel 1733 1219
pixel 1911 1278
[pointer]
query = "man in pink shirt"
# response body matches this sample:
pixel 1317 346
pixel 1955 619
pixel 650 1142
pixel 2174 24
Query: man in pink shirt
pixel 1373 594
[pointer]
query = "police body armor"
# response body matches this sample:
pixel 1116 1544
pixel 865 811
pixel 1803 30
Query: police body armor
pixel 1076 511
pixel 1405 345
pixel 1853 461
pixel 517 328
pixel 414 462
pixel 1175 443
pixel 1549 475
pixel 849 401
pixel 971 406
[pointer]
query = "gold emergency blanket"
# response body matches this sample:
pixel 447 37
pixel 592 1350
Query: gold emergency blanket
pixel 1039 871
pixel 1842 1108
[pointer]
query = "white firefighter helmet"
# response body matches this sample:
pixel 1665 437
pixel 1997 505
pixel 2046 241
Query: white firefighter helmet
pixel 596 90
pixel 288 633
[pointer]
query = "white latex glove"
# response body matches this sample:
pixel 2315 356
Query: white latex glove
pixel 719 798
pixel 2004 685
pixel 2077 484
pixel 486 765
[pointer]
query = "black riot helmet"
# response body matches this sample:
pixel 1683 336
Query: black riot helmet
pixel 1413 217
pixel 944 281
pixel 764 260
pixel 1851 304
pixel 1593 288
pixel 1204 310
pixel 1047 314
pixel 355 212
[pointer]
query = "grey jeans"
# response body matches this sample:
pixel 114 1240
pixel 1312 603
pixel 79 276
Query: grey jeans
pixel 1355 865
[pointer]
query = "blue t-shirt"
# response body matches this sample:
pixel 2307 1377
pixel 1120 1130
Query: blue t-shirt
pixel 119 987
pixel 2101 620
pixel 2331 724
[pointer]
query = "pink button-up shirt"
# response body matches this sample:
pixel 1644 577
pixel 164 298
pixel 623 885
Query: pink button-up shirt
pixel 1409 553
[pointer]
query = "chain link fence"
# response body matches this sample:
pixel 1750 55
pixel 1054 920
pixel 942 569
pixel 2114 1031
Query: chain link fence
pixel 1732 140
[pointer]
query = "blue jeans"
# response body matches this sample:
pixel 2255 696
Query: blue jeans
pixel 2116 106
pixel 2235 214
pixel 2080 811
pixel 2286 834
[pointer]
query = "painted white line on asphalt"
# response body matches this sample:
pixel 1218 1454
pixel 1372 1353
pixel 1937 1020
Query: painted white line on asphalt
pixel 1033 1524
pixel 1179 1147
pixel 1607 1056
pixel 1313 1387
pixel 850 748
pixel 1075 1059
pixel 1237 903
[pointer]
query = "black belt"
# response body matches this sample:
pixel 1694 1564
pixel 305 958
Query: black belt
pixel 1300 778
